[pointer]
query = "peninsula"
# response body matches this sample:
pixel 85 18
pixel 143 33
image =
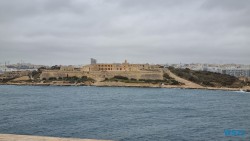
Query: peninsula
pixel 125 75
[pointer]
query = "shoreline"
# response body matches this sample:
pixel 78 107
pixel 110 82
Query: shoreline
pixel 136 85
pixel 15 137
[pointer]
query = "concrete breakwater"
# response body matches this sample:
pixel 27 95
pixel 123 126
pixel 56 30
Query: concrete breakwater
pixel 12 137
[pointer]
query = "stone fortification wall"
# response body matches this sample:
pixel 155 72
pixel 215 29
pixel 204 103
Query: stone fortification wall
pixel 57 74
pixel 14 74
pixel 101 75
pixel 129 74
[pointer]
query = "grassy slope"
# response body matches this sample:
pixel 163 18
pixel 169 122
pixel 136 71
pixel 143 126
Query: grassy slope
pixel 206 78
pixel 167 80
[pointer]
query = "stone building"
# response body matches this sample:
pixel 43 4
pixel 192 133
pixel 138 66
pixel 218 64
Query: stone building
pixel 125 66
pixel 101 71
pixel 69 68
pixel 93 61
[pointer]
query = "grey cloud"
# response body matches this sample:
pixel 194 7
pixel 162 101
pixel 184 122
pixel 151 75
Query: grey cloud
pixel 226 4
pixel 160 31
pixel 14 10
pixel 235 12
pixel 149 4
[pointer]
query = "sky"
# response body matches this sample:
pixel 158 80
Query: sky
pixel 64 32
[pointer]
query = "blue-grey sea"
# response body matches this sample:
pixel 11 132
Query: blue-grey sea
pixel 124 114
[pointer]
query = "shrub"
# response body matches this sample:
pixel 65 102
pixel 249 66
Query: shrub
pixel 55 67
pixel 174 82
pixel 121 77
pixel 40 69
pixel 52 78
pixel 84 77
pixel 166 76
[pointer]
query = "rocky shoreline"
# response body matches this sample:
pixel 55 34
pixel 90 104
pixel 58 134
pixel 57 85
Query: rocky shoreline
pixel 122 84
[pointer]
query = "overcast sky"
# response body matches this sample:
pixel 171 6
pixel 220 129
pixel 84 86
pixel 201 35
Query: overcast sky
pixel 142 31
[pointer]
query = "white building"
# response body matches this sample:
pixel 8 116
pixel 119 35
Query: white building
pixel 237 72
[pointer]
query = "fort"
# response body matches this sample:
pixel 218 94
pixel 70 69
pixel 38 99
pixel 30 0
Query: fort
pixel 101 72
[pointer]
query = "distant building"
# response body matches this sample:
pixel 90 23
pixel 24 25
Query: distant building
pixel 93 61
pixel 69 68
pixel 237 72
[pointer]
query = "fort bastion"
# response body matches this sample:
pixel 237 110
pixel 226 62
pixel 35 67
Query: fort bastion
pixel 100 71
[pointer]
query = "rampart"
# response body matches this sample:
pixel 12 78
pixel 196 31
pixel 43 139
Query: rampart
pixel 101 75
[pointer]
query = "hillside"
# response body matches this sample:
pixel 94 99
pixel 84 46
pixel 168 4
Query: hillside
pixel 208 79
pixel 167 80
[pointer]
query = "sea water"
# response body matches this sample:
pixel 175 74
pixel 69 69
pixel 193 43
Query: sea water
pixel 126 114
